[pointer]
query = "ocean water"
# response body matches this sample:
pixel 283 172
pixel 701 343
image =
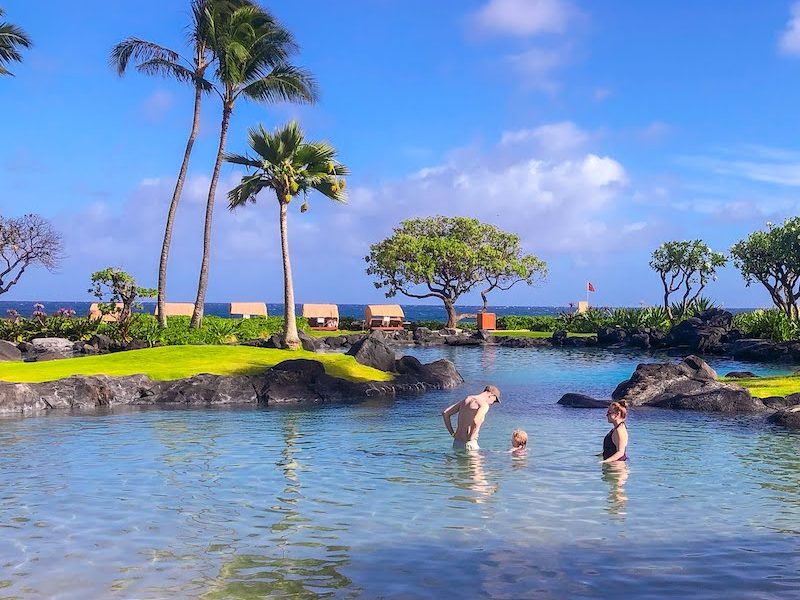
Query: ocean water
pixel 369 501
pixel 413 312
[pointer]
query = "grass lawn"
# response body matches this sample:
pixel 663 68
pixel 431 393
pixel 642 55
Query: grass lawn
pixel 763 387
pixel 318 333
pixel 176 362
pixel 534 334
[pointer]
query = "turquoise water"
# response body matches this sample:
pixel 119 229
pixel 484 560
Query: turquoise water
pixel 369 501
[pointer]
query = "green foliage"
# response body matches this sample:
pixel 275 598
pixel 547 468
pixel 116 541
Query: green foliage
pixel 118 294
pixel 772 258
pixel 19 329
pixel 529 322
pixel 446 257
pixel 586 322
pixel 12 39
pixel 771 324
pixel 685 267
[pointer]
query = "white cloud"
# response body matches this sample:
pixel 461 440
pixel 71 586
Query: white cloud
pixel 754 163
pixel 789 42
pixel 536 66
pixel 523 18
pixel 554 139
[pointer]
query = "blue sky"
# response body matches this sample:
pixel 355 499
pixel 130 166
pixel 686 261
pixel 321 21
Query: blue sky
pixel 594 130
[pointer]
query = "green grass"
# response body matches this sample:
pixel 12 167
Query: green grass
pixel 176 362
pixel 763 387
pixel 534 334
pixel 318 333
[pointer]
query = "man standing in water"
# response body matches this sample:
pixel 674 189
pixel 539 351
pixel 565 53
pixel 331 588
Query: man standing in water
pixel 471 414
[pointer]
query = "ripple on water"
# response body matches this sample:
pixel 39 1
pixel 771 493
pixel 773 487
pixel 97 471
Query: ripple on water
pixel 369 501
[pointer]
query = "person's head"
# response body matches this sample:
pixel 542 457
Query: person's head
pixel 494 391
pixel 617 412
pixel 519 439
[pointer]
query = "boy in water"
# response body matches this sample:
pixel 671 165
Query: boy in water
pixel 519 442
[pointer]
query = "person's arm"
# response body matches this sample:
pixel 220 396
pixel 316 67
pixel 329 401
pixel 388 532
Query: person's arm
pixel 620 437
pixel 447 413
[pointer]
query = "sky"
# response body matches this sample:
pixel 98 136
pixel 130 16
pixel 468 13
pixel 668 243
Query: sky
pixel 593 130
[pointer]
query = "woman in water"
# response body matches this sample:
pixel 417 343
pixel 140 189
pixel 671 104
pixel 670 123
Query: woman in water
pixel 616 441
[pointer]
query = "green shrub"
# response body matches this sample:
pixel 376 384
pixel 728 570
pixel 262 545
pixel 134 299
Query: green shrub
pixel 772 324
pixel 529 322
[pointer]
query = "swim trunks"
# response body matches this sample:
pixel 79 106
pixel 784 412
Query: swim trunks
pixel 470 446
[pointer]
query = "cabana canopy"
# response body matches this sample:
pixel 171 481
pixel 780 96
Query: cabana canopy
pixel 248 309
pixel 383 310
pixel 95 313
pixel 325 311
pixel 176 309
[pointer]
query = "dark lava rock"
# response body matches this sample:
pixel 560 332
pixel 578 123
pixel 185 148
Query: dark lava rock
pixel 335 341
pixel 81 347
pixel 582 401
pixel 137 345
pixel 25 347
pixel 607 336
pixel 354 338
pixel 703 333
pixel 463 340
pixel 273 341
pixel 9 351
pixel 308 343
pixel 103 342
pixel 559 337
pixel 582 341
pixel 658 338
pixel 690 384
pixel 780 402
pixel 788 417
pixel 640 340
pixel 760 350
pixel 374 351
pixel 521 342
pixel 740 375
pixel 50 349
pixel 73 392
pixel 206 389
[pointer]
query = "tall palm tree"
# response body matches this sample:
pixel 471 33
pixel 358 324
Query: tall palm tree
pixel 288 165
pixel 153 59
pixel 252 51
pixel 12 39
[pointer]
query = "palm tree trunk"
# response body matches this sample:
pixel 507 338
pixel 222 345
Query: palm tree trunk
pixel 202 284
pixel 173 207
pixel 289 321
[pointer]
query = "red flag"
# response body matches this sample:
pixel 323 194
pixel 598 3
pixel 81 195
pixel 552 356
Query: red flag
pixel 589 287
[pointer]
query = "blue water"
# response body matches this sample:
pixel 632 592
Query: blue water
pixel 413 312
pixel 368 501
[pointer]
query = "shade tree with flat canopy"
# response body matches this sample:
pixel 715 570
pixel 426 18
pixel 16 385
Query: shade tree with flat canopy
pixel 447 257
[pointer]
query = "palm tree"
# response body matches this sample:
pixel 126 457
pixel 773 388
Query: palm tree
pixel 252 51
pixel 153 59
pixel 12 38
pixel 288 165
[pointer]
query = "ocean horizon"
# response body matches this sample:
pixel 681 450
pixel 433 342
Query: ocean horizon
pixel 413 312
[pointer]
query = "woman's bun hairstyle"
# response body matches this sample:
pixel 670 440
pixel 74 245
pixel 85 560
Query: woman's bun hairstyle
pixel 620 408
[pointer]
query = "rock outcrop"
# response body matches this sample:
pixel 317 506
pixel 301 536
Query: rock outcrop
pixel 374 351
pixel 704 333
pixel 9 351
pixel 689 385
pixel 292 381
pixel 582 401
pixel 788 417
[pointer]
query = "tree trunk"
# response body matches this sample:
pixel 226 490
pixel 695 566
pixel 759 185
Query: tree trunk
pixel 202 284
pixel 173 207
pixel 451 314
pixel 289 321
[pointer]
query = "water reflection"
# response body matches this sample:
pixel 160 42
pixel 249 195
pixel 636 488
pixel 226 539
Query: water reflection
pixel 615 475
pixel 468 473
pixel 304 557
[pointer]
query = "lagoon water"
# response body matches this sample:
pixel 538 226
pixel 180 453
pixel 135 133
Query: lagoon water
pixel 369 501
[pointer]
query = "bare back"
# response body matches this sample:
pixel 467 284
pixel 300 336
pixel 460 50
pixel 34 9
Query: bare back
pixel 471 414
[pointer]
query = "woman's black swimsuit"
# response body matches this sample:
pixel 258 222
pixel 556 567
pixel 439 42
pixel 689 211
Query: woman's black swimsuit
pixel 609 447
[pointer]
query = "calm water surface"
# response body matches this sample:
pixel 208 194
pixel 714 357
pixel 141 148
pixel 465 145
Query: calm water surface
pixel 369 501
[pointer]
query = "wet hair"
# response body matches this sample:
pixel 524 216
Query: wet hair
pixel 519 439
pixel 619 408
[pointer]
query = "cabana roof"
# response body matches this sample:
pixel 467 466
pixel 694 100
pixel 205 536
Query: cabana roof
pixel 383 310
pixel 258 309
pixel 325 311
pixel 176 309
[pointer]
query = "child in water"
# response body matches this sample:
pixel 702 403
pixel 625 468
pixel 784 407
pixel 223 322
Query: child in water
pixel 519 442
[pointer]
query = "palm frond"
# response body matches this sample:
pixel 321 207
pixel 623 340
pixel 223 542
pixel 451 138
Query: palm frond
pixel 12 38
pixel 246 191
pixel 140 51
pixel 284 83
pixel 242 159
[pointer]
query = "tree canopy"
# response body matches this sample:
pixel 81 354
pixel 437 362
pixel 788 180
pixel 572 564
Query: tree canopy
pixel 772 258
pixel 26 241
pixel 687 267
pixel 446 257
pixel 12 40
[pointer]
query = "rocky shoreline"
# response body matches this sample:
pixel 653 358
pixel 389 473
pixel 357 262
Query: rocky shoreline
pixel 292 381
pixel 692 385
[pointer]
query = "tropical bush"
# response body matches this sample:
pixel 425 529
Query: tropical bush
pixel 529 322
pixel 771 324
